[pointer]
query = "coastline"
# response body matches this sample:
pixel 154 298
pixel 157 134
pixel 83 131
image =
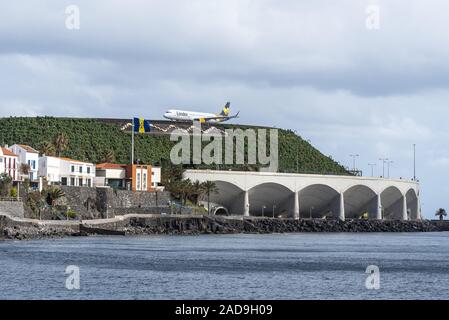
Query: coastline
pixel 139 224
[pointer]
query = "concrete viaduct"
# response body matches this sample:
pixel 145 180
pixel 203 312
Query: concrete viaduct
pixel 312 196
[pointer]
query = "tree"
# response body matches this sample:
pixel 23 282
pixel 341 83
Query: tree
pixel 48 149
pixel 54 194
pixel 61 143
pixel 186 190
pixel 209 187
pixel 198 191
pixel 441 212
pixel 108 157
pixel 25 170
pixel 5 185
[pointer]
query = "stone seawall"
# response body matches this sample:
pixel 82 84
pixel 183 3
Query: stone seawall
pixel 12 208
pixel 97 203
pixel 196 224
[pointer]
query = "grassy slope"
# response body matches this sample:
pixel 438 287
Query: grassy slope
pixel 90 139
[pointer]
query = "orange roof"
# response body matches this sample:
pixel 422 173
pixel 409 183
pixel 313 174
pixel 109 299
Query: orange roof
pixel 28 148
pixel 71 160
pixel 111 166
pixel 8 152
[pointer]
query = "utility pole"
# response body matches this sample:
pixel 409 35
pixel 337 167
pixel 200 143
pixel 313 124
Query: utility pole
pixel 353 156
pixel 383 165
pixel 372 165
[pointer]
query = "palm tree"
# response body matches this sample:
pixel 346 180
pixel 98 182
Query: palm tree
pixel 48 149
pixel 54 194
pixel 186 190
pixel 208 188
pixel 198 190
pixel 61 143
pixel 441 212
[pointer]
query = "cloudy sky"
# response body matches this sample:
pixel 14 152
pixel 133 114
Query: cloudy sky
pixel 318 67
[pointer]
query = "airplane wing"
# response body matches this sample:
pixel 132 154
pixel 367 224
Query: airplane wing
pixel 218 118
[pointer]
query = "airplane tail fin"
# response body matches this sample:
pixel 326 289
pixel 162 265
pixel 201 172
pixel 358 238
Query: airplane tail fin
pixel 226 110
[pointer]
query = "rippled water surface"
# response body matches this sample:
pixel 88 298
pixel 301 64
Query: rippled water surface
pixel 275 266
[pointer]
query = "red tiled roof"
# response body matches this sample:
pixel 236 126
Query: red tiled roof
pixel 28 148
pixel 8 152
pixel 111 166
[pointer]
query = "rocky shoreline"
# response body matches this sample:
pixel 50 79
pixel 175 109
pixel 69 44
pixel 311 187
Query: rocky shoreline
pixel 194 225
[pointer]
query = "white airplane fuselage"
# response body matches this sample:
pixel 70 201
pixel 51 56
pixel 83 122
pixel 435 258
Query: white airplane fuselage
pixel 182 115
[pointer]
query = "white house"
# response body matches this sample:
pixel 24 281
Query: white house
pixel 67 172
pixel 9 163
pixel 27 155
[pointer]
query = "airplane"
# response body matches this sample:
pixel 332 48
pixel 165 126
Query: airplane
pixel 181 115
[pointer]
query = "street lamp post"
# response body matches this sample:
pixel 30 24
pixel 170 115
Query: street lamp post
pixel 274 207
pixel 310 212
pixel 383 165
pixel 388 167
pixel 372 165
pixel 414 162
pixel 263 210
pixel 353 156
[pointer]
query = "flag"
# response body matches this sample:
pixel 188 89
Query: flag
pixel 141 125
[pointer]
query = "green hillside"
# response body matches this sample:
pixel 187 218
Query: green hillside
pixel 91 140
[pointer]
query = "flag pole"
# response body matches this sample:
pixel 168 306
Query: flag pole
pixel 132 142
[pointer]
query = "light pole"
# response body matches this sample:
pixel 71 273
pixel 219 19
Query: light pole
pixel 310 212
pixel 353 156
pixel 263 210
pixel 372 165
pixel 388 167
pixel 383 165
pixel 414 162
pixel 297 154
pixel 274 207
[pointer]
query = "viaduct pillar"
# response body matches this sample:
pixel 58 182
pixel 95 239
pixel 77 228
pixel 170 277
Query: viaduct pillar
pixel 341 214
pixel 246 205
pixel 404 208
pixel 296 206
pixel 379 207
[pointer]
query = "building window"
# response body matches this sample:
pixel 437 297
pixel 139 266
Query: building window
pixel 72 182
pixel 81 169
pixel 73 169
pixel 89 182
pixel 80 183
pixel 64 181
pixel 144 182
pixel 138 182
pixel 88 170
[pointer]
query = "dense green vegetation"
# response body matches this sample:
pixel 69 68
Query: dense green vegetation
pixel 95 141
